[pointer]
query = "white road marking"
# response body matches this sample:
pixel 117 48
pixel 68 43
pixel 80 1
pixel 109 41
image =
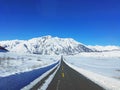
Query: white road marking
pixel 58 83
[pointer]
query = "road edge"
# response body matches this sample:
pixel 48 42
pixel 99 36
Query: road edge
pixel 39 79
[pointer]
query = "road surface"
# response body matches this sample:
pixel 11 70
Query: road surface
pixel 68 79
pixel 18 81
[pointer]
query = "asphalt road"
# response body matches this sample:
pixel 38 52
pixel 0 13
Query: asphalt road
pixel 20 80
pixel 68 79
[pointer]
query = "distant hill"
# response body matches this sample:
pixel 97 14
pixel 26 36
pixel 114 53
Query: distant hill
pixel 105 48
pixel 3 49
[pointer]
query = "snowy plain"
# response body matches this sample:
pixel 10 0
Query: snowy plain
pixel 12 63
pixel 100 67
pixel 104 48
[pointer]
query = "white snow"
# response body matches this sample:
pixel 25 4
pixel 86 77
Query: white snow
pixel 104 48
pixel 11 63
pixel 44 86
pixel 101 67
pixel 48 81
pixel 46 45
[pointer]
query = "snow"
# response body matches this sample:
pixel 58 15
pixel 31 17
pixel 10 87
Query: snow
pixel 9 44
pixel 11 63
pixel 46 45
pixel 104 48
pixel 48 81
pixel 28 87
pixel 101 67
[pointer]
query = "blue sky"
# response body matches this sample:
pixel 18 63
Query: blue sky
pixel 92 22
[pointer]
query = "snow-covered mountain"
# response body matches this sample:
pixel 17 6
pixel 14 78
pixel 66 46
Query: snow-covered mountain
pixel 104 48
pixel 46 45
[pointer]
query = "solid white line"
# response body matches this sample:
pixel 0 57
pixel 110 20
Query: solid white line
pixel 58 83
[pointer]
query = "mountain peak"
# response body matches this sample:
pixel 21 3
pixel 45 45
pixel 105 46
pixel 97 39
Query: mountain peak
pixel 47 36
pixel 46 45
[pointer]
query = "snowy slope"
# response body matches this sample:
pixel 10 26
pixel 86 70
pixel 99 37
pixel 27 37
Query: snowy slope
pixel 46 45
pixel 104 48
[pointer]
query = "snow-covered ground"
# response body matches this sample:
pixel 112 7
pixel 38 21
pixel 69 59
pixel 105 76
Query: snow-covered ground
pixel 11 63
pixel 104 48
pixel 101 67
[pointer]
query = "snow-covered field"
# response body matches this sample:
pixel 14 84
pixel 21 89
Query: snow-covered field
pixel 101 67
pixel 11 63
pixel 104 48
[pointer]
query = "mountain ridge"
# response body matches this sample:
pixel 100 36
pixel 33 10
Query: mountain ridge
pixel 46 45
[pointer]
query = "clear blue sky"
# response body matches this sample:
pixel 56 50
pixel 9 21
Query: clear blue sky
pixel 92 22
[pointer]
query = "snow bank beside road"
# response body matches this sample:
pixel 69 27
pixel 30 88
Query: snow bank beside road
pixel 103 63
pixel 32 84
pixel 105 82
pixel 12 63
pixel 101 67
